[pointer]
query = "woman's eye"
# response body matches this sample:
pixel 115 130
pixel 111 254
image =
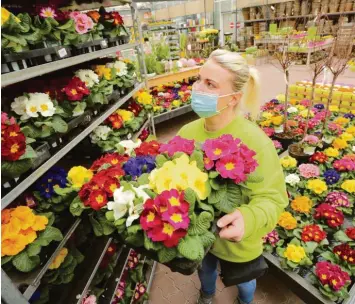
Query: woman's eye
pixel 210 85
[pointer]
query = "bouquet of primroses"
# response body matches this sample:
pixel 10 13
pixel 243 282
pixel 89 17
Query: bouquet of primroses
pixel 340 200
pixel 343 255
pixel 331 280
pixel 332 131
pixel 16 153
pixel 331 217
pixel 39 116
pixel 293 255
pixel 23 234
pixel 270 241
pixel 145 99
pixel 125 72
pixel 286 224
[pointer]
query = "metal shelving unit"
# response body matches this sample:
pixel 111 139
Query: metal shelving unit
pixel 171 114
pixel 12 284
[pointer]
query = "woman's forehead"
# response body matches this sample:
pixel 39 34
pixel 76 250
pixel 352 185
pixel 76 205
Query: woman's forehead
pixel 213 71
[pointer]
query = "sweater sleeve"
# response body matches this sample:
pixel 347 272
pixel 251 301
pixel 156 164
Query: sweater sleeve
pixel 267 199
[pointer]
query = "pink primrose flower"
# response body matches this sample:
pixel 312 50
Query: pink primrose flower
pixel 309 170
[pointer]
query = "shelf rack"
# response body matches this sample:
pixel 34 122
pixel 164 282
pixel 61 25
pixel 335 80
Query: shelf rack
pixel 10 283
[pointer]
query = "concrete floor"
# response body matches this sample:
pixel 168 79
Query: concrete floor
pixel 174 288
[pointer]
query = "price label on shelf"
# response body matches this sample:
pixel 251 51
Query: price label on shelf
pixel 189 47
pixel 103 43
pixel 62 52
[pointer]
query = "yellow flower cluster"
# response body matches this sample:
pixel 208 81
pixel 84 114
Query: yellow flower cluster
pixel 288 162
pixel 302 204
pixel 78 176
pixel 349 185
pixel 126 115
pixel 339 144
pixel 180 174
pixel 333 108
pixel 331 152
pixel 294 253
pixel 317 186
pixel 103 72
pixel 5 15
pixel 351 130
pixel 18 229
pixel 342 121
pixel 287 221
pixel 59 259
pixel 144 98
pixel 347 136
pixel 304 113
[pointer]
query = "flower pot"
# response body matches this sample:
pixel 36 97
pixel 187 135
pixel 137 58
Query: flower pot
pixel 309 150
pixel 295 151
pixel 284 139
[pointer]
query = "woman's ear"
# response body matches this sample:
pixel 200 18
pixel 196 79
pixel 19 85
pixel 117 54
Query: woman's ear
pixel 235 99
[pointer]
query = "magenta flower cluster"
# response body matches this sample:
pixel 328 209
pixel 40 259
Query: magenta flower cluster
pixel 178 144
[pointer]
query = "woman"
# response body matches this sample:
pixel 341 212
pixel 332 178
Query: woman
pixel 226 86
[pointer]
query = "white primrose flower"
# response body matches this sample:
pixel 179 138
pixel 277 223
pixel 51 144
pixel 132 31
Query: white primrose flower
pixel 292 179
pixel 120 66
pixel 19 106
pixel 129 145
pixel 292 110
pixel 44 104
pixel 102 132
pixel 32 108
pixel 124 203
pixel 88 76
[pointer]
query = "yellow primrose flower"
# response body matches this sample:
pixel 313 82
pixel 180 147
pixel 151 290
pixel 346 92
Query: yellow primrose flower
pixel 5 15
pixel 277 120
pixel 180 174
pixel 302 204
pixel 287 221
pixel 347 136
pixel 59 259
pixel 301 107
pixel 349 185
pixel 342 121
pixel 145 98
pixel 266 115
pixel 317 186
pixel 78 176
pixel 304 113
pixel 176 103
pixel 339 144
pixel 333 108
pixel 351 130
pixel 103 71
pixel 126 115
pixel 288 162
pixel 266 123
pixel 157 108
pixel 331 152
pixel 294 253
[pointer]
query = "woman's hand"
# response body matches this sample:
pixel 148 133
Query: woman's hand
pixel 232 226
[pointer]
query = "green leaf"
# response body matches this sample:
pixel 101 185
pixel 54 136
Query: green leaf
pixel 62 191
pixel 77 255
pixel 207 239
pixel 191 248
pixel 213 174
pixel 16 168
pixel 143 179
pixel 33 249
pixel 292 264
pixel 215 184
pixel 16 39
pixel 296 242
pixel 198 157
pixel 48 235
pixel 120 222
pixel 24 263
pixel 329 256
pixel 31 131
pixel 165 254
pixel 297 233
pixel 217 195
pixel 137 240
pixel 59 125
pixel 160 160
pixel 206 207
pixel 150 245
pixel 98 230
pixel 109 216
pixel 190 197
pixel 311 246
pixel 79 109
pixel 6 259
pixel 134 229
pixel 231 199
pixel 107 226
pixel 67 278
pixel 29 153
pixel 76 207
pixel 341 236
pixel 67 25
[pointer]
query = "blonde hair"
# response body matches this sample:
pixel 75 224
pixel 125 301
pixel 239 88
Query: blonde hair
pixel 246 78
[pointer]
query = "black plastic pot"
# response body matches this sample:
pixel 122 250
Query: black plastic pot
pixel 301 158
pixel 285 142
pixel 89 47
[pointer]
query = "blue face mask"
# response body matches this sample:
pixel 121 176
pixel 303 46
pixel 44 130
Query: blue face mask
pixel 205 105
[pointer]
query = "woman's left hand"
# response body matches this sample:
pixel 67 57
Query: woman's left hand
pixel 232 226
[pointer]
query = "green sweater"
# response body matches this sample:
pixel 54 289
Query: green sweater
pixel 261 207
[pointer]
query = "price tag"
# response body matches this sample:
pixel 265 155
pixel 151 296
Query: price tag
pixel 62 52
pixel 103 43
pixel 189 47
pixel 129 136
